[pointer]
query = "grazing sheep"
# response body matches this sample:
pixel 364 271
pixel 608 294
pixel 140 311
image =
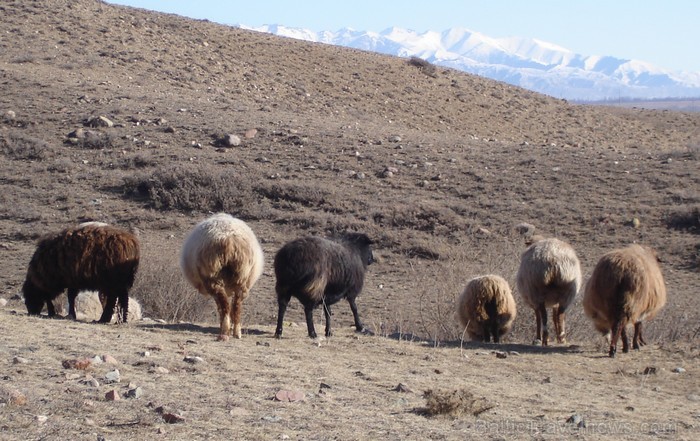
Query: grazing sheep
pixel 549 276
pixel 222 258
pixel 87 257
pixel 486 308
pixel 626 287
pixel 89 306
pixel 320 271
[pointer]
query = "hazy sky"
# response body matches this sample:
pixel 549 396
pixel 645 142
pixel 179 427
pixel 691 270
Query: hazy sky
pixel 663 33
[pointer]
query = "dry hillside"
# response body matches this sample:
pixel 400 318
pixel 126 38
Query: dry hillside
pixel 121 115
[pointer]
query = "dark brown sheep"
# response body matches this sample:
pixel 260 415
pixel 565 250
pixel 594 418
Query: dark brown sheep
pixel 321 271
pixel 626 287
pixel 87 257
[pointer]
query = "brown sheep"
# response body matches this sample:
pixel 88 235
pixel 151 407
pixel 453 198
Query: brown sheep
pixel 222 258
pixel 486 308
pixel 549 277
pixel 87 257
pixel 626 287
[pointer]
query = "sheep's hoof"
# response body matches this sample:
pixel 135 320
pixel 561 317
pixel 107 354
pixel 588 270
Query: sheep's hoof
pixel 223 337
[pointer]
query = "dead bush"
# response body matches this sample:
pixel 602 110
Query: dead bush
pixel 454 403
pixel 424 66
pixel 18 146
pixel 687 219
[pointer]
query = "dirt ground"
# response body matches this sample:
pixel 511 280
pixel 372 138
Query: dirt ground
pixel 121 115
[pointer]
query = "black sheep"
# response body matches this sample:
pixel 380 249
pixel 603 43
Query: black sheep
pixel 321 271
pixel 88 257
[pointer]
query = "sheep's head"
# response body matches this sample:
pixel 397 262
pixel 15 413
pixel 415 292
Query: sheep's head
pixel 34 297
pixel 362 242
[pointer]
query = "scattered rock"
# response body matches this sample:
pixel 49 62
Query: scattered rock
pixel 19 360
pixel 388 172
pixel 395 138
pixel 501 354
pixel 547 380
pixel 173 418
pixel 160 370
pixel 80 364
pixel 271 418
pixel 90 381
pixel 693 397
pixel 289 395
pixel 99 121
pixel 635 223
pixel 12 397
pixel 228 140
pixel 10 114
pixel 402 388
pixel 516 353
pixel 109 359
pixel 112 395
pixel 3 302
pixel 649 370
pixel 193 359
pixel 250 133
pixel 41 419
pixel 678 370
pixel 576 420
pixel 136 393
pixel 113 377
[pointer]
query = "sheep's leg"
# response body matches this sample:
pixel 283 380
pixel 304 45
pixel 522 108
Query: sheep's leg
pixel 108 309
pixel 236 306
pixel 224 308
pixel 50 309
pixel 309 313
pixel 124 305
pixel 615 334
pixel 625 340
pixel 559 323
pixel 542 332
pixel 359 327
pixel 71 294
pixel 638 340
pixel 282 302
pixel 327 314
pixel 495 332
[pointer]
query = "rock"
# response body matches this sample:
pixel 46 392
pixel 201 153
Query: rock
pixel 289 395
pixel 112 377
pixel 19 360
pixel 3 302
pixel 90 381
pixel 250 133
pixel 693 397
pixel 525 229
pixel 649 370
pixel 136 393
pixel 80 364
pixel 402 388
pixel 576 420
pixel 160 370
pixel 10 114
pixel 99 121
pixel 228 140
pixel 41 419
pixel 516 353
pixel 678 370
pixel 395 138
pixel 501 354
pixel 193 360
pixel 109 359
pixel 112 395
pixel 635 223
pixel 12 397
pixel 173 418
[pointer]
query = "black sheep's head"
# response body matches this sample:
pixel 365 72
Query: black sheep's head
pixel 363 244
pixel 34 298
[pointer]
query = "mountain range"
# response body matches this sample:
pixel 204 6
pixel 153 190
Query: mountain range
pixel 526 62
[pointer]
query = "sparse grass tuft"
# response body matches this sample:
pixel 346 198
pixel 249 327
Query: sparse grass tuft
pixel 18 146
pixel 454 403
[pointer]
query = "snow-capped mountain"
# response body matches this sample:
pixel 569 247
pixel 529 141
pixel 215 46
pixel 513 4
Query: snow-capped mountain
pixel 526 62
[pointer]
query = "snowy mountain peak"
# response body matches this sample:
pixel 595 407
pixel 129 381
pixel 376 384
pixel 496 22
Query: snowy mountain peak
pixel 527 62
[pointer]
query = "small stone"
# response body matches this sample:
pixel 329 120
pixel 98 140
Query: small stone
pixel 41 419
pixel 678 370
pixel 19 360
pixel 112 377
pixel 173 418
pixel 109 359
pixel 3 302
pixel 402 388
pixel 145 354
pixel 97 360
pixel 516 353
pixel 576 420
pixel 136 393
pixel 395 138
pixel 13 397
pixel 160 370
pixel 90 381
pixel 80 364
pixel 501 354
pixel 635 223
pixel 112 395
pixel 72 376
pixel 229 140
pixel 693 397
pixel 193 359
pixel 649 370
pixel 289 395
pixel 250 133
pixel 10 114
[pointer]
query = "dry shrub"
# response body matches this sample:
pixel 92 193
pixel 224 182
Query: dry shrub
pixel 193 188
pixel 164 293
pixel 424 66
pixel 687 219
pixel 18 146
pixel 454 403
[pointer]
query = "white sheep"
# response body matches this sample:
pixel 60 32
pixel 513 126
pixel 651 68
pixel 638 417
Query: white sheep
pixel 486 308
pixel 221 257
pixel 549 277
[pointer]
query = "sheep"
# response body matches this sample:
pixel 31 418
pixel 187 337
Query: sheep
pixel 549 276
pixel 319 271
pixel 89 306
pixel 222 258
pixel 626 286
pixel 86 257
pixel 486 308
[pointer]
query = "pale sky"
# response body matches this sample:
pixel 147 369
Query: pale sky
pixel 663 33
